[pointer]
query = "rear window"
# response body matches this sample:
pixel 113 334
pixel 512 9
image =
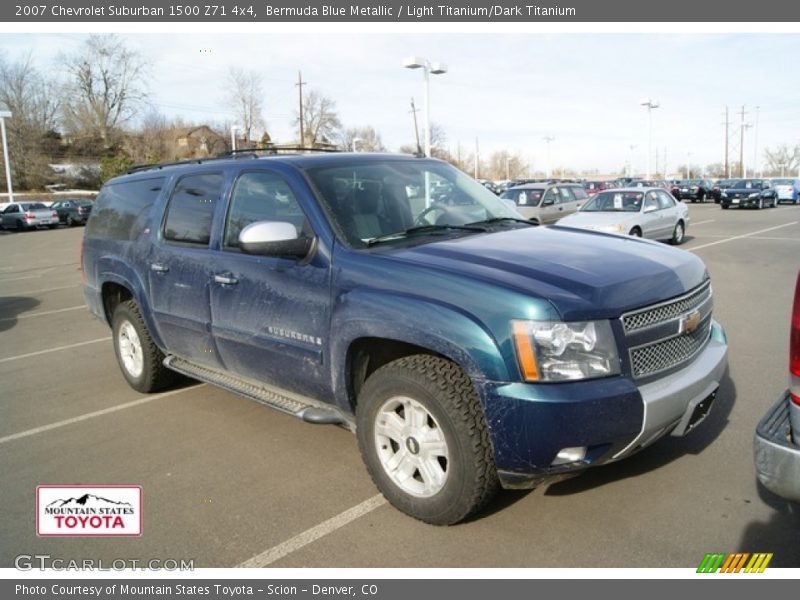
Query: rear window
pixel 783 182
pixel 120 211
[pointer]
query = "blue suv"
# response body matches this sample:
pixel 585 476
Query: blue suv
pixel 466 347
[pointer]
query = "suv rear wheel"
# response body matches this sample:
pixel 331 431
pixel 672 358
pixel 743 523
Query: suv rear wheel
pixel 424 440
pixel 140 360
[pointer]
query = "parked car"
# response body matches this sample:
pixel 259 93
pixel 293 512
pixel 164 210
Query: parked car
pixel 720 186
pixel 545 203
pixel 696 190
pixel 466 347
pixel 651 183
pixel 650 213
pixel 749 193
pixel 72 212
pixel 788 190
pixel 776 443
pixel 22 216
pixel 592 187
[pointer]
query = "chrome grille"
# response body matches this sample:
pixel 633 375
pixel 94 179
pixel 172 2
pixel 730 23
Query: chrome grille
pixel 660 356
pixel 660 313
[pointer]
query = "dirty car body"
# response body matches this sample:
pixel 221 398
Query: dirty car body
pixel 447 333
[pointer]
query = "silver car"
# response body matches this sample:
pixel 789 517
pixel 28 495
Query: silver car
pixel 28 215
pixel 642 212
pixel 546 203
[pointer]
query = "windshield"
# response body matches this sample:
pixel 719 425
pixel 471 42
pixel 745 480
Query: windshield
pixel 376 199
pixel 614 202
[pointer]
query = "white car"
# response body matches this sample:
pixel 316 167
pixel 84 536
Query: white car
pixel 642 212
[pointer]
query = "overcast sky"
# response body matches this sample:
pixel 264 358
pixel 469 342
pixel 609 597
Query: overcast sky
pixel 508 90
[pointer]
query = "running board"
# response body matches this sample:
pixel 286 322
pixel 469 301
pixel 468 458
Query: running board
pixel 307 409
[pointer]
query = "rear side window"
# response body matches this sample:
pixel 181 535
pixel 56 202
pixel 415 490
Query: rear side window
pixel 191 208
pixel 120 211
pixel 580 193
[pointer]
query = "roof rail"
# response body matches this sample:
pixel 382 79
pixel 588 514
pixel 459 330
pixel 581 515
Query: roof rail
pixel 279 149
pixel 270 149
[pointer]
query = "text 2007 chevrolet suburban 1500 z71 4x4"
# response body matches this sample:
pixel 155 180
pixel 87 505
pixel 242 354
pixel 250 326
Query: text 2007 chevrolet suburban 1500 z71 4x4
pixel 467 348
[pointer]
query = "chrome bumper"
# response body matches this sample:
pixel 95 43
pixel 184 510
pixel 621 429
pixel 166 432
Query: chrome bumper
pixel 777 459
pixel 676 403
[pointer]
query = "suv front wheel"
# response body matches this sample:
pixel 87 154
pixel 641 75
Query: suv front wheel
pixel 140 360
pixel 424 440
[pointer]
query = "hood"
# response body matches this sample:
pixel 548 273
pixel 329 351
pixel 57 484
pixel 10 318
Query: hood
pixel 583 274
pixel 599 220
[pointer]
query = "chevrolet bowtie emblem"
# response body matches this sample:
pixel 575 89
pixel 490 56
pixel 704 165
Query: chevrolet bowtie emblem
pixel 690 322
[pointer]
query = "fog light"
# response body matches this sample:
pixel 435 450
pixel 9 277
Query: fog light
pixel 569 455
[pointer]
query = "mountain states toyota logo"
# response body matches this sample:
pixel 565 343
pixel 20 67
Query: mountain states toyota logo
pixel 89 510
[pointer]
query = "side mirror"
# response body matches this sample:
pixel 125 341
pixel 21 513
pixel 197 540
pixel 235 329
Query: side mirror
pixel 274 238
pixel 548 202
pixel 649 209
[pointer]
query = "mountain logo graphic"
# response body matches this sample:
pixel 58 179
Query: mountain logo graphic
pixel 87 500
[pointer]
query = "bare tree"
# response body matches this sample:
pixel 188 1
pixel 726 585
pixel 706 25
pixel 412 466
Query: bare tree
pixel 320 121
pixel 244 94
pixel 782 159
pixel 106 87
pixel 362 139
pixel 505 165
pixel 32 135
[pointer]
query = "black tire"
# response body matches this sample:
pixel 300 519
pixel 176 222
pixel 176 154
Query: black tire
pixel 448 397
pixel 636 232
pixel 70 222
pixel 678 234
pixel 724 206
pixel 154 376
pixel 20 227
pixel 701 196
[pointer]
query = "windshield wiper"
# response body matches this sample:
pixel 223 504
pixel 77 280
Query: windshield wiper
pixel 421 229
pixel 494 220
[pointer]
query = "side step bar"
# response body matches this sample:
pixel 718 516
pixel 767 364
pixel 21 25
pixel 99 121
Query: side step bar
pixel 307 409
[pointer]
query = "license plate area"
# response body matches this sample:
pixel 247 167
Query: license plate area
pixel 695 414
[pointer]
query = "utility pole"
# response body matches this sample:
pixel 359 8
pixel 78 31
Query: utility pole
pixel 727 164
pixel 742 170
pixel 665 163
pixel 755 146
pixel 416 128
pixel 300 83
pixel 477 159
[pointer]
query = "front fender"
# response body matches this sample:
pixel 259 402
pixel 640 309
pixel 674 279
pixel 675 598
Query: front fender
pixel 441 328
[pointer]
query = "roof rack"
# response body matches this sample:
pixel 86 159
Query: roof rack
pixel 280 149
pixel 270 149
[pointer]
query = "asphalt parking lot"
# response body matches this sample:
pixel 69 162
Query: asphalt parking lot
pixel 228 482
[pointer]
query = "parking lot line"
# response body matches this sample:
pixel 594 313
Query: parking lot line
pixel 44 313
pixel 703 222
pixel 52 289
pixel 275 553
pixel 56 349
pixel 739 237
pixel 20 278
pixel 92 415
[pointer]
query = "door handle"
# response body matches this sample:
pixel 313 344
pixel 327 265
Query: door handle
pixel 159 268
pixel 225 279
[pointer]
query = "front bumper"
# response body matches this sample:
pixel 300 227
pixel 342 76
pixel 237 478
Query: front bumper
pixel 777 459
pixel 612 418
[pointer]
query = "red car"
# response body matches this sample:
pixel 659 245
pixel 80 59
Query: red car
pixel 592 187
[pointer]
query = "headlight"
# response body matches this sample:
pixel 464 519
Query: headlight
pixel 753 195
pixel 724 195
pixel 557 351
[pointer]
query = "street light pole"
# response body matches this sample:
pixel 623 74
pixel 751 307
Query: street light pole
pixel 233 136
pixel 650 106
pixel 418 62
pixel 4 114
